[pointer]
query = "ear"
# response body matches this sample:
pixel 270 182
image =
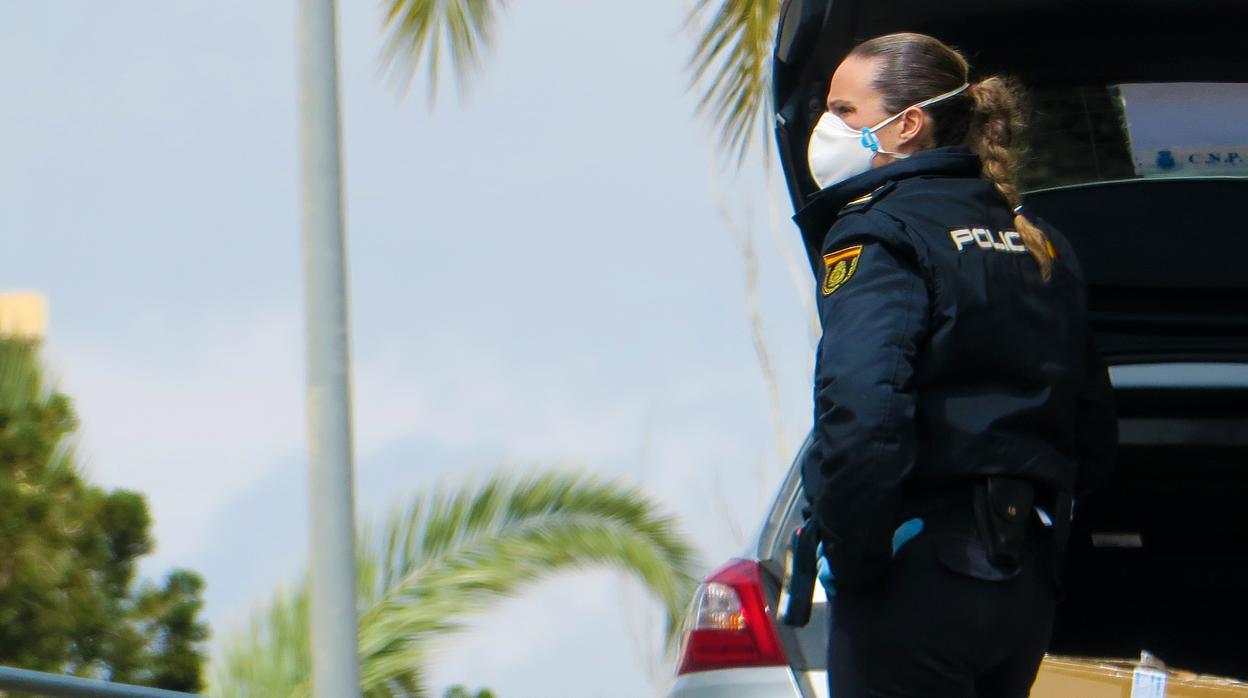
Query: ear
pixel 913 121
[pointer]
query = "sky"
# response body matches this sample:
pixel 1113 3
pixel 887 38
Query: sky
pixel 543 274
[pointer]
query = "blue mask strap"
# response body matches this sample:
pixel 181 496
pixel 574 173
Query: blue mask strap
pixel 870 140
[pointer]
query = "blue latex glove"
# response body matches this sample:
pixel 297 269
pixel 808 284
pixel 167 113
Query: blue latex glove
pixel 904 534
pixel 826 580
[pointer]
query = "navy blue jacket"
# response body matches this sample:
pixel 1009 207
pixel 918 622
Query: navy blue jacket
pixel 944 354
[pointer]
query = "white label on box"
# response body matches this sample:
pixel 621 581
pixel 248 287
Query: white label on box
pixel 1147 682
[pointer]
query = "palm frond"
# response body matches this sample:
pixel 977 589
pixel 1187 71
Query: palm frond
pixel 732 65
pixel 449 556
pixel 415 31
pixel 273 657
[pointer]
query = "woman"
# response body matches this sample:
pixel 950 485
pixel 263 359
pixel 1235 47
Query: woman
pixel 958 400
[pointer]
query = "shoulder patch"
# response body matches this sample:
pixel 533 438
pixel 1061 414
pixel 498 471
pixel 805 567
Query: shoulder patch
pixel 865 201
pixel 839 268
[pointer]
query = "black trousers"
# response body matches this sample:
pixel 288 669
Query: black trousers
pixel 943 622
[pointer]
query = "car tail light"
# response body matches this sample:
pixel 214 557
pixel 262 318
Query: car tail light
pixel 729 623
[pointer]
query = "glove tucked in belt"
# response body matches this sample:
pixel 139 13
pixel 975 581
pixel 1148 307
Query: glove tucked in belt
pixel 805 562
pixel 904 534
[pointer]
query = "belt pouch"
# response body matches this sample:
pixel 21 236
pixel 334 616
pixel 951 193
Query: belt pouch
pixel 1002 511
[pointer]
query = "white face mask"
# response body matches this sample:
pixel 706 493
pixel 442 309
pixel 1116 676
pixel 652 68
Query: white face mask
pixel 838 152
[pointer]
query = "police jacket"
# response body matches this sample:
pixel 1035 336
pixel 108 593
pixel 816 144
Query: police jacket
pixel 944 355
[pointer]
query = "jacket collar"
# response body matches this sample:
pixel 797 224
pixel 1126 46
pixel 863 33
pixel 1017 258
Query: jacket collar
pixel 816 217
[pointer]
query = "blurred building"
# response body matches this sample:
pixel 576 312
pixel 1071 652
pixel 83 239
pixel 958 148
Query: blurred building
pixel 23 315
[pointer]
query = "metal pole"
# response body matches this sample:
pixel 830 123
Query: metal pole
pixel 335 662
pixel 59 686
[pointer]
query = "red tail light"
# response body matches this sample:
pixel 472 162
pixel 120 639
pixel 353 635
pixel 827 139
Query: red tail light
pixel 730 624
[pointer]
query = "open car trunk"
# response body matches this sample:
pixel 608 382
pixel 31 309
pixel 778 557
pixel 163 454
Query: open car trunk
pixel 1158 558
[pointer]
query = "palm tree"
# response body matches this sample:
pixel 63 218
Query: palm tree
pixel 730 64
pixel 452 555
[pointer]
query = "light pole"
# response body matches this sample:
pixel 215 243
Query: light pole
pixel 335 662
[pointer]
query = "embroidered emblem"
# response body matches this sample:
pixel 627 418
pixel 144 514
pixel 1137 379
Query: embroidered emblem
pixel 839 267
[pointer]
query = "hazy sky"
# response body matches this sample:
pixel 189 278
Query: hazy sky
pixel 542 275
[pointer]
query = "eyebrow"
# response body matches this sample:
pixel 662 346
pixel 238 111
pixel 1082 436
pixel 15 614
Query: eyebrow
pixel 838 102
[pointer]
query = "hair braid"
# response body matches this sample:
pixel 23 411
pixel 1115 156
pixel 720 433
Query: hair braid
pixel 997 125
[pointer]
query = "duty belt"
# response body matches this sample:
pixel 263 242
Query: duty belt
pixel 1002 510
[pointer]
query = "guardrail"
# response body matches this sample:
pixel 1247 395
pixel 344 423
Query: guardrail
pixel 60 686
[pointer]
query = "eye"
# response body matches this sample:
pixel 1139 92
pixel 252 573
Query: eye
pixel 842 110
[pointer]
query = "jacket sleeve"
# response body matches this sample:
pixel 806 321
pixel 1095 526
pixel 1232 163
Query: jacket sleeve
pixel 1096 426
pixel 863 442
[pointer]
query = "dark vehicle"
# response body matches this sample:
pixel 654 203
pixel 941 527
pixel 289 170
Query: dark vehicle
pixel 1139 154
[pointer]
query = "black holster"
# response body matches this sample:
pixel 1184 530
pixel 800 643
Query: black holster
pixel 801 571
pixel 1003 507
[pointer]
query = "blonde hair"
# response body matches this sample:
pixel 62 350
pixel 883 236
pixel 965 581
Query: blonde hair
pixel 988 116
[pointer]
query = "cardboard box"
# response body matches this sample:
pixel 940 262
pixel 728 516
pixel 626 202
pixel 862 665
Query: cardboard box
pixel 1078 677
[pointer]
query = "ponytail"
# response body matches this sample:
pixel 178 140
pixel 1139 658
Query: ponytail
pixel 996 129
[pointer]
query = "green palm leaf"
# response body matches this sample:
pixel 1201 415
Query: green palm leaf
pixel 273 657
pixel 415 31
pixel 732 63
pixel 452 555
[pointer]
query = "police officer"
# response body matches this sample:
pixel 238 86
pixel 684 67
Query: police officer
pixel 958 401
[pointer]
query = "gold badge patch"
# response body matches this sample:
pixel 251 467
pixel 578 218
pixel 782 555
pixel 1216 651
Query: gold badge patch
pixel 839 267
